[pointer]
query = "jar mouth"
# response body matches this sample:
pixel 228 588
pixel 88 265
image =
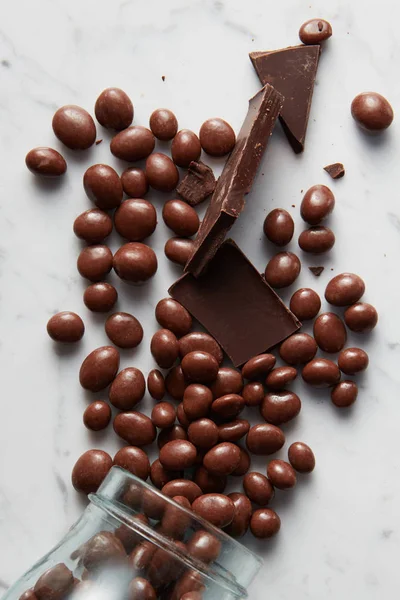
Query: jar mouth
pixel 106 499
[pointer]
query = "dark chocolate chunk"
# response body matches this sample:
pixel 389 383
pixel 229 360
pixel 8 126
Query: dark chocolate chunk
pixel 335 170
pixel 198 183
pixel 292 72
pixel 235 304
pixel 237 177
pixel 316 270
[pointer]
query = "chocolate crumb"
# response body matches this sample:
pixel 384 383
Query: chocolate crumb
pixel 316 270
pixel 293 206
pixel 301 191
pixel 335 170
pixel 163 77
pixel 98 142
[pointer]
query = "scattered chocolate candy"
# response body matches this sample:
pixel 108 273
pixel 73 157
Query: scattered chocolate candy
pixel 99 368
pixel 264 523
pixel 124 330
pixel 372 111
pixel 203 433
pixel 134 460
pixel 317 204
pixel 28 595
pixel 352 361
pixel 164 348
pixel 171 315
pixel 282 270
pixel 316 271
pixel 102 548
pixel 335 170
pixel 279 227
pixel 315 31
pixel 298 349
pixel 199 340
pixel 135 219
pixel 127 389
pixel 74 127
pixel 163 415
pixel 317 240
pixel 140 557
pixel 97 415
pixel 301 457
pixel 233 431
pixel 134 182
pixel 89 471
pixel 114 109
pixel 280 377
pixel 265 439
pixel 100 297
pixel 182 487
pixel 280 407
pixel 281 474
pixel 222 459
pixel 330 332
pixel 258 366
pixel 135 428
pixel 161 172
pixel 54 584
pixel 208 482
pixel 163 123
pixel 305 304
pixel 344 394
pixel 93 226
pixel 161 476
pixel 135 262
pixel 46 162
pixel 156 384
pixel 198 183
pixel 218 509
pixel 197 401
pixel 199 366
pixel 103 186
pixel 141 589
pixel 361 317
pixel 321 372
pixel 344 289
pixel 66 327
pixel 181 218
pixel 95 262
pixel 185 148
pixel 242 515
pixel 228 381
pixel 228 406
pixel 134 143
pixel 244 463
pixel 177 455
pixel 175 383
pixel 217 137
pixel 258 488
pixel 178 250
pixel 253 393
pixel 204 546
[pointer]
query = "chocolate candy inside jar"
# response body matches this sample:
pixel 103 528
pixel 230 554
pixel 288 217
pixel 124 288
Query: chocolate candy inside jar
pixel 133 542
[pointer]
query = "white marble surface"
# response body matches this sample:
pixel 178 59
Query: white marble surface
pixel 340 534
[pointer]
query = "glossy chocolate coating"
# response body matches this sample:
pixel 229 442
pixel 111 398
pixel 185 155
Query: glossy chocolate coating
pixel 141 589
pixel 199 367
pixel 135 428
pixel 104 547
pixel 197 401
pixel 160 476
pixel 185 148
pixel 178 455
pixel 176 432
pixel 208 482
pixel 66 327
pixel 164 348
pixel 175 383
pixel 242 515
pixel 222 459
pixel 204 546
pixel 372 111
pixel 318 202
pixel 199 340
pixel 46 162
pixel 203 433
pixel 228 406
pixel 361 317
pixel 330 332
pixel 134 143
pixel 280 407
pixel 217 137
pixel 244 463
pixel 315 31
pixel 218 509
pixel 301 457
pixel 279 227
pixel 156 384
pixel 344 289
pixel 228 381
pixel 93 226
pixel 298 349
pixel 74 127
pixel 54 584
pixel 135 219
pixel 282 270
pixel 163 415
pixel 174 522
pixel 321 372
pixel 344 394
pixel 182 487
pixel 100 297
pixel 99 368
pixel 264 523
pixel 134 182
pixel 103 186
pixel 134 460
pixel 280 378
pixel 95 262
pixel 161 172
pixel 178 250
pixel 258 488
pixel 124 330
pixel 127 389
pixel 163 123
pixel 135 262
pixel 317 240
pixel 140 557
pixel 181 218
pixel 281 474
pixel 173 316
pixel 305 304
pixel 353 360
pixel 90 469
pixel 258 366
pixel 233 431
pixel 264 439
pixel 114 109
pixel 97 415
pixel 253 393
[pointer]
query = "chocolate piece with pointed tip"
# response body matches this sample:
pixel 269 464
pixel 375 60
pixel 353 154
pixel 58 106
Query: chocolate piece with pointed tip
pixel 335 170
pixel 292 72
pixel 198 183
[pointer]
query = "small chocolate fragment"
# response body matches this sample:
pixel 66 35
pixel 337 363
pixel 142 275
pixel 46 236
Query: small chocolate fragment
pixel 335 170
pixel 292 72
pixel 234 303
pixel 315 31
pixel 237 178
pixel 198 183
pixel 316 270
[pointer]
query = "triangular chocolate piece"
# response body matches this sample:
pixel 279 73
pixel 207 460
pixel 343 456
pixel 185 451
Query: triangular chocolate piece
pixel 292 72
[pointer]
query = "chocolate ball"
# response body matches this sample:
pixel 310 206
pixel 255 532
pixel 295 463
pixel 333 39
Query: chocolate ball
pixel 95 262
pixel 178 250
pixel 315 31
pixel 161 172
pixel 103 186
pixel 97 415
pixel 66 327
pixel 90 470
pixel 135 262
pixel 305 304
pixel 124 330
pixel 318 202
pixel 372 111
pixel 133 143
pixel 181 218
pixel 361 317
pixel 135 219
pixel 74 127
pixel 114 109
pixel 100 297
pixel 163 124
pixel 217 137
pixel 264 523
pixel 278 227
pixel 344 394
pixel 185 148
pixel 282 270
pixel 93 226
pixel 134 182
pixel 45 162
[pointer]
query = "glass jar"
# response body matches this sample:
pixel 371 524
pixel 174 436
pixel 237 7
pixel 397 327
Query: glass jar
pixel 134 543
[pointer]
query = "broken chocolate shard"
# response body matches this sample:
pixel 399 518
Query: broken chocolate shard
pixel 198 183
pixel 292 72
pixel 335 170
pixel 236 305
pixel 316 270
pixel 237 177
